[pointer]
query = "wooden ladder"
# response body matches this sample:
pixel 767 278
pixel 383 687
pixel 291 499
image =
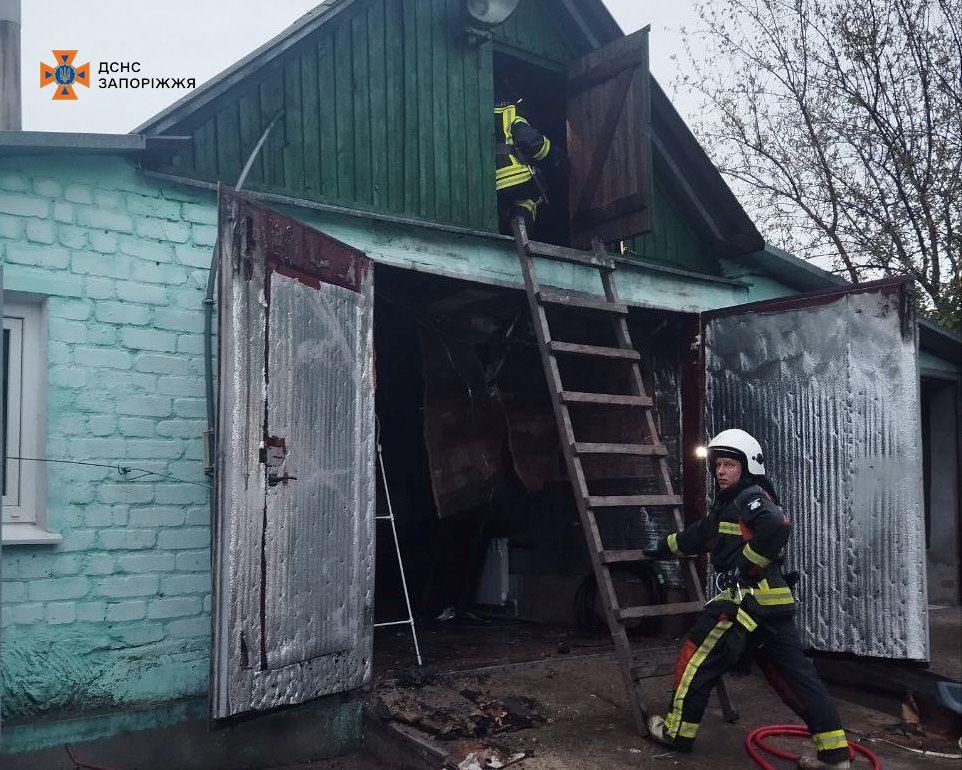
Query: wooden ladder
pixel 633 668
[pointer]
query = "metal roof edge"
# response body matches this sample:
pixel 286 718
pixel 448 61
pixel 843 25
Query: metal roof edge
pixel 797 273
pixel 33 142
pixel 275 198
pixel 933 337
pixel 940 341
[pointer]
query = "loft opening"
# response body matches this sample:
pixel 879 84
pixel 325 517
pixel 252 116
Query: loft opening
pixel 538 87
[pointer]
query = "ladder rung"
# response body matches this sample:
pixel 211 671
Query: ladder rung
pixel 644 450
pixel 620 557
pixel 631 501
pixel 594 350
pixel 586 301
pixel 574 397
pixel 575 256
pixel 658 610
pixel 631 555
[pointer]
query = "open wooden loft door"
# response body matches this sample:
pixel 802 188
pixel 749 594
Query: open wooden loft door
pixel 609 142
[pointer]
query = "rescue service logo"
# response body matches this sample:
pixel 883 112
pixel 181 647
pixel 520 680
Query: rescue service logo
pixel 64 75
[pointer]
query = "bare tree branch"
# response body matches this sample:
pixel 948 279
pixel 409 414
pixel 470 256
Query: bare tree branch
pixel 839 123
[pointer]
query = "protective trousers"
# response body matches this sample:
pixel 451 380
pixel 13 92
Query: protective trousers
pixel 520 201
pixel 775 646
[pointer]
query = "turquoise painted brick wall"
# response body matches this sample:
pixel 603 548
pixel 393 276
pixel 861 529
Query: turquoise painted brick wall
pixel 119 612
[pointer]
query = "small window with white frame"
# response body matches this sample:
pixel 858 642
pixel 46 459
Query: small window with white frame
pixel 21 475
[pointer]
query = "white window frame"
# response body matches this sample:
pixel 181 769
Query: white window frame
pixel 24 504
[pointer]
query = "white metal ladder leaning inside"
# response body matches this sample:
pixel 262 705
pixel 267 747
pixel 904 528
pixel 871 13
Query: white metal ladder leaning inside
pixel 593 504
pixel 397 547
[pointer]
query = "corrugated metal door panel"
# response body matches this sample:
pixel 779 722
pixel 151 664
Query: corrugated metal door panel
pixel 318 343
pixel 829 386
pixel 295 454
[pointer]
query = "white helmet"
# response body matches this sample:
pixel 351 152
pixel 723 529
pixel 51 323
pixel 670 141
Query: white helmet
pixel 743 445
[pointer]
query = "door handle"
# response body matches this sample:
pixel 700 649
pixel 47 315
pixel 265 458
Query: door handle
pixel 273 481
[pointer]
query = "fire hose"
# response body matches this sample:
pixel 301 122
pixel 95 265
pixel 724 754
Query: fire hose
pixel 755 745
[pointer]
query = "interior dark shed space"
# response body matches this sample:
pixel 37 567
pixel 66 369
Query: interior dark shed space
pixel 488 528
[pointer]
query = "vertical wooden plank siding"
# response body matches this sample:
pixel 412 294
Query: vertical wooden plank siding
pixel 250 133
pixel 394 129
pixel 205 147
pixel 441 113
pixel 475 180
pixel 458 141
pixel 535 29
pixel 272 100
pixel 228 143
pixel 310 96
pixel 377 77
pixel 426 109
pixel 327 119
pixel 672 241
pixel 344 76
pixel 412 144
pixel 386 108
pixel 293 151
pixel 485 73
pixel 362 112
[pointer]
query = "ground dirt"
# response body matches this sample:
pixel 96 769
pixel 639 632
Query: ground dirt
pixel 589 726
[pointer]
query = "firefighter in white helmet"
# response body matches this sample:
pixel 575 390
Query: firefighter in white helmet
pixel 752 617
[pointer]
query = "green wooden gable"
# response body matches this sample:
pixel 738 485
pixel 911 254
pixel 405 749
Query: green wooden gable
pixel 538 32
pixel 385 107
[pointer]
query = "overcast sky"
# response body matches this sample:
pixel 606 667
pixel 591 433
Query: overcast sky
pixel 199 38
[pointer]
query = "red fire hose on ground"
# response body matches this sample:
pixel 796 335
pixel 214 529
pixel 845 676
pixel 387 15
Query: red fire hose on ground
pixel 755 745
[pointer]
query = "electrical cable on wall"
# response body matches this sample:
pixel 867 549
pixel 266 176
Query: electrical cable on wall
pixel 123 470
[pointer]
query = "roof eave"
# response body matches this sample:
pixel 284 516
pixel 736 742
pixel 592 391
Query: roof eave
pixel 53 142
pixel 936 339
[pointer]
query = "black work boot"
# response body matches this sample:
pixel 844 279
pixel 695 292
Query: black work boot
pixel 659 734
pixel 814 763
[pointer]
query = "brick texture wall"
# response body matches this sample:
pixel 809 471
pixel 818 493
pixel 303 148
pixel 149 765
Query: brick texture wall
pixel 119 612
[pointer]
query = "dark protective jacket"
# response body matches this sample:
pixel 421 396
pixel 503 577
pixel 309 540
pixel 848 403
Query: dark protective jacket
pixel 746 530
pixel 520 147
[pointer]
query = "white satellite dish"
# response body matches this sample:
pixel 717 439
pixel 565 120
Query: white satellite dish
pixel 489 13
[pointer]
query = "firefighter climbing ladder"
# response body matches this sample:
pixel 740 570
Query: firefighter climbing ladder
pixel 590 507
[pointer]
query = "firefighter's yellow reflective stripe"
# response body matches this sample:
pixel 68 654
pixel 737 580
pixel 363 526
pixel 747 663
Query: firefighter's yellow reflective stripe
pixel 774 596
pixel 513 171
pixel 831 740
pixel 673 721
pixel 688 730
pixel 673 545
pixel 512 176
pixel 754 557
pixel 545 149
pixel 529 205
pixel 746 620
pixel 729 528
pixel 767 597
pixel 508 115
